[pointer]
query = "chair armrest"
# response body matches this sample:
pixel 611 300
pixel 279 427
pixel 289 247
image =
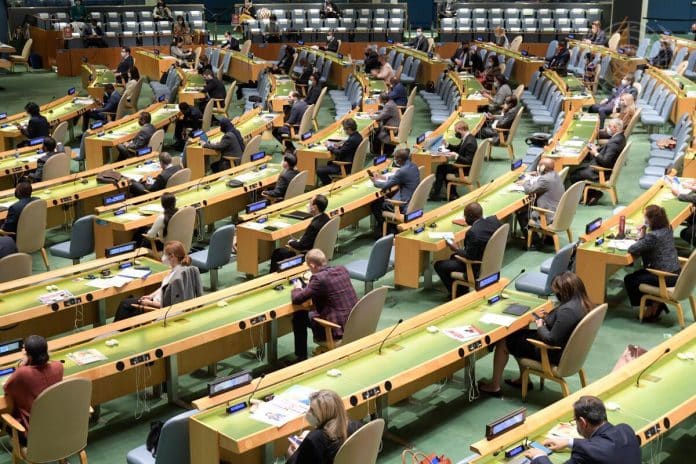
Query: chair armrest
pixel 683 261
pixel 502 129
pixel 342 163
pixel 6 233
pixel 461 166
pixel 543 210
pixel 325 323
pixel 391 127
pixel 545 362
pixel 12 422
pixel 662 280
pixel 541 345
pixel 328 326
pixel 469 266
pixel 395 202
pixel 599 168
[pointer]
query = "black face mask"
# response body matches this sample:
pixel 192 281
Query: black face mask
pixel 458 135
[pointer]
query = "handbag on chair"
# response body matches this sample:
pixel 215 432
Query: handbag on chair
pixel 410 456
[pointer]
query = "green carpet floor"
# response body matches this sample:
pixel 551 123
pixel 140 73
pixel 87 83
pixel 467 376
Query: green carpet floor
pixel 440 418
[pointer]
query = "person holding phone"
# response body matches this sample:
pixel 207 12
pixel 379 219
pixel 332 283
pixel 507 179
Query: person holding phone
pixel 553 329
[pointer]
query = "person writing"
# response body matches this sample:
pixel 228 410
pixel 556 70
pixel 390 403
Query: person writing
pixel 502 91
pixel 553 329
pixel 36 372
pixel 214 89
pixel 231 145
pixel 477 236
pixel 328 417
pixel 8 231
pixel 288 174
pixel 229 42
pixel 397 92
pixel 655 245
pixel 174 289
pixel 167 170
pixel 344 152
pixel 332 295
pixel 317 208
pixel 461 153
pixel 602 442
pixel 141 139
pixel 49 149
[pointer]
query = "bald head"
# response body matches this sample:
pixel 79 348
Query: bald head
pixel 548 164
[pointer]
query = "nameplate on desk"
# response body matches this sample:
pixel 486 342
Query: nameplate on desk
pixel 524 53
pixel 76 300
pixel 413 215
pixel 71 91
pixel 7 371
pixel 234 408
pixel 379 160
pixel 420 139
pixel 306 135
pixel 430 55
pixel 571 36
pixel 250 56
pixel 110 200
pixel 119 249
pixel 258 156
pixel 139 359
pixel 594 225
pixel 66 199
pixel 290 263
pixel 157 52
pixel 515 164
pixel 3 116
pixel 18 169
pixel 13 346
pixel 256 206
pixel 144 151
pixel 96 125
pixel 197 133
pixel 372 392
pixel 479 38
pixel 487 281
pixel 257 319
pixel 340 56
pixel 36 141
pixel 300 42
pixel 228 383
pixel 161 98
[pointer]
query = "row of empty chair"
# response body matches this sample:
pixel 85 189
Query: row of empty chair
pixel 661 158
pixel 346 13
pixel 511 13
pixel 655 100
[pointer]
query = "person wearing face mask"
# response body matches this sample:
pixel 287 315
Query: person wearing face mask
pixel 333 298
pixel 288 174
pixel 596 35
pixel 124 66
pixel 625 110
pixel 397 92
pixel 385 71
pixel 8 231
pixel 331 427
pixel 462 153
pixel 158 230
pixel 489 75
pixel 609 105
pixel 297 109
pixel 371 61
pixel 110 105
pixel 344 152
pixel 229 42
pixel 664 57
pixel 590 71
pixel 545 188
pixel 655 245
pixel 313 89
pixel 181 284
pixel 480 232
pixel 419 42
pixel 602 442
pixel 161 12
pixel 502 121
pixel 559 61
pixel 283 66
pixel 331 43
pixel 502 91
pixel 231 145
pixel 167 170
pixel 604 157
pixel 317 208
pixel 141 140
pixel 182 31
pixel 247 12
pixel 553 329
pixel 36 126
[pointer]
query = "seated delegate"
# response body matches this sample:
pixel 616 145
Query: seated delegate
pixel 462 153
pixel 8 231
pixel 288 174
pixel 49 149
pixel 553 329
pixel 344 152
pixel 141 139
pixel 231 145
pixel 167 170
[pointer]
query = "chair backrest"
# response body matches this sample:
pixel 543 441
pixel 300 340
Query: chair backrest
pixel 181 225
pixel 56 166
pixel 31 229
pixel 297 185
pixel 364 317
pixel 378 262
pixel 179 177
pixel 82 236
pixel 50 439
pixel 514 126
pixel 420 194
pixel 363 445
pixel 406 125
pixel 60 132
pixel 252 146
pixel 306 121
pixel 628 130
pixel 563 173
pixel 326 238
pixel 519 90
pixel 493 254
pixel 620 161
pixel 614 40
pixel 360 155
pixel 122 106
pixel 559 264
pixel 157 140
pixel 681 68
pixel 207 120
pixel 412 97
pixel 173 446
pixel 15 266
pixel 246 47
pixel 220 246
pixel 580 342
pixel 565 212
pixel 477 163
pixel 27 49
pixel 686 281
pixel 135 94
pixel 228 99
pixel 317 105
pixel 516 42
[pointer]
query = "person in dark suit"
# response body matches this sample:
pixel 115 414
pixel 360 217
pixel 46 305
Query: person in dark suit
pixel 341 152
pixel 230 145
pixel 545 187
pixel 602 443
pixel 475 240
pixel 610 105
pixel 191 118
pixel 317 208
pixel 297 110
pixel 93 35
pixel 49 149
pixel 554 329
pixel 229 42
pixel 124 66
pixel 110 105
pixel 313 89
pixel 397 92
pixel 158 183
pixel 596 35
pixel 405 179
pixel 141 140
pixel 664 56
pixel 214 89
pixel 466 58
pixel 330 10
pixel 288 174
pixel 307 70
pixel 371 60
pixel 283 66
pixel 331 43
pixel 462 153
pixel 37 126
pixel 559 61
pixel 604 157
pixel 419 42
pixel 502 121
pixel 388 116
pixel 688 233
pixel 8 230
pixel 332 294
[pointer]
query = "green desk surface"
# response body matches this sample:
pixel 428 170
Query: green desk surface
pixel 331 56
pixel 70 189
pixel 366 367
pixel 248 126
pixel 103 76
pixel 245 59
pixel 492 202
pixel 194 82
pixel 509 53
pixel 28 297
pixel 191 324
pixel 580 130
pixel 472 120
pixel 376 85
pixel 28 157
pixel 193 195
pixel 662 197
pixel 423 56
pixel 574 86
pixel 362 120
pixel 689 85
pixel 284 85
pixel 54 113
pixel 469 83
pixel 132 127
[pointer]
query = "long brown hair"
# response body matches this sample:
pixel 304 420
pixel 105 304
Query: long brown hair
pixel 567 286
pixel 168 201
pixel 656 217
pixel 176 249
pixel 328 408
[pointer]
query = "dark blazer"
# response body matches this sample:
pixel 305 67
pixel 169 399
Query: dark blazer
pixel 125 65
pixel 143 137
pixel 371 62
pixel 474 61
pixel 506 119
pixel 317 448
pixel 419 43
pixel 332 45
pixel 399 95
pixel 476 239
pixel 193 115
pixel 609 444
pixel 560 60
pixel 406 178
pixel 657 250
pixel 606 156
pixel 231 144
pixel 296 112
pixel 281 185
pixel 465 150
pixel 304 77
pixel 285 62
pixel 215 88
pixel 162 178
pixel 346 151
pixel 13 213
pixel 559 325
pixel 663 58
pixel 37 126
pixel 313 94
pixel 37 175
pixel 110 103
pixel 306 242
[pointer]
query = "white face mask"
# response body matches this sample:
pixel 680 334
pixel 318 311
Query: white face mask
pixel 329 38
pixel 419 34
pixel 624 82
pixel 312 420
pixel 165 259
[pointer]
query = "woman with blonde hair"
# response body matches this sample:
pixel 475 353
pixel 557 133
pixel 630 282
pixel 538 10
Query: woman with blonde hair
pixel 624 111
pixel 328 417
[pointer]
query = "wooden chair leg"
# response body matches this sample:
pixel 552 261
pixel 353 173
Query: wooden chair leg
pixel 45 258
pixel 564 387
pixel 614 197
pixel 556 242
pixel 511 151
pixel 641 309
pixel 584 195
pixel 447 186
pixel 692 301
pixel 570 236
pixel 541 383
pixel 455 287
pixel 583 377
pixel 680 314
pixel 529 238
pixel 525 383
pixel 83 457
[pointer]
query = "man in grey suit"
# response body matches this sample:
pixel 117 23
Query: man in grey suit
pixel 406 179
pixel 297 110
pixel 231 145
pixel 141 140
pixel 158 183
pixel 502 121
pixel 546 188
pixel 288 174
pixel 110 105
pixel 388 116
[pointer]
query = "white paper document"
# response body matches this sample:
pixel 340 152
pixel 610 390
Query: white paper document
pixel 87 356
pixel 285 407
pixel 498 319
pixel 621 244
pixel 463 333
pixel 129 216
pixel 133 273
pixel 441 235
pixel 111 282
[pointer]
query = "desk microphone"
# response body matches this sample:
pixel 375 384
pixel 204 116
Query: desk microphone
pixel 483 190
pixel 667 350
pixel 334 186
pixel 388 335
pixel 166 313
pixel 258 384
pixel 138 254
pixel 500 293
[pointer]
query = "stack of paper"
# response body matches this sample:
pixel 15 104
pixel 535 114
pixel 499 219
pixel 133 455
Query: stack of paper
pixel 285 407
pixel 87 356
pixel 463 333
pixel 498 319
pixel 621 244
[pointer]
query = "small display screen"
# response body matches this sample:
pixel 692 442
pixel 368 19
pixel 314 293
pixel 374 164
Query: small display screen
pixel 390 41
pixel 515 164
pixel 71 91
pixel 379 160
pixel 506 423
pixel 256 206
pixel 160 98
pixel 157 52
pixel 414 215
pixel 36 141
pixel 10 347
pixel 258 156
pixel 96 124
pixel 290 263
pixel 3 115
pixel 120 249
pixel 488 280
pixel 110 200
pixel 228 383
pixel 300 42
pixel 594 225
pixel 6 371
pixel 420 139
pixel 306 135
pixel 525 53
pixel 197 133
pixel 340 56
pixel 144 151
